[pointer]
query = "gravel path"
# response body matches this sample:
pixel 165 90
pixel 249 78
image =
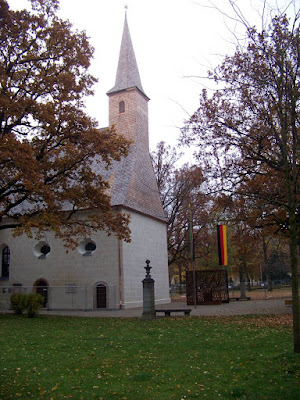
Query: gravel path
pixel 272 306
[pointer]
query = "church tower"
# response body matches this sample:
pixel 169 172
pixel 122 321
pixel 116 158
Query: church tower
pixel 134 180
pixel 133 185
pixel 128 103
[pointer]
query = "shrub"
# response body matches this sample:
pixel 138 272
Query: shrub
pixel 34 304
pixel 18 302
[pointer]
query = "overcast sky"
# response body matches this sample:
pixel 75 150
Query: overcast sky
pixel 173 40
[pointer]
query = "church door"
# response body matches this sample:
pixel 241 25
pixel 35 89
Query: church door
pixel 101 296
pixel 5 262
pixel 42 288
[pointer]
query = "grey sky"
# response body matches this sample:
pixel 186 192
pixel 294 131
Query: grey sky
pixel 172 39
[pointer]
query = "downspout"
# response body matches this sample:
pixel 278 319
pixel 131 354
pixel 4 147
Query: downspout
pixel 121 294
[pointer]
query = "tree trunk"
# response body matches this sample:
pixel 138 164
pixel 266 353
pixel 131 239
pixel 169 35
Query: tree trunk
pixel 270 284
pixel 295 281
pixel 249 288
pixel 266 267
pixel 242 282
pixel 180 278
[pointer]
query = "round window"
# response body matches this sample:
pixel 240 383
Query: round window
pixel 87 247
pixel 41 249
pixel 45 249
pixel 90 246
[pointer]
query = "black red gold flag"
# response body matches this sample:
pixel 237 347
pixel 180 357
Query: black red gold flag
pixel 222 244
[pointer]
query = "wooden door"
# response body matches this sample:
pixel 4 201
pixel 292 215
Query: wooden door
pixel 5 262
pixel 42 288
pixel 101 296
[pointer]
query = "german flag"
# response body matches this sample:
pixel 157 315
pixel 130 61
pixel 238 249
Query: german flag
pixel 222 244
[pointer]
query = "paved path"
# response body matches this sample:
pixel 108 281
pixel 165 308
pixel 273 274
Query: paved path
pixel 272 306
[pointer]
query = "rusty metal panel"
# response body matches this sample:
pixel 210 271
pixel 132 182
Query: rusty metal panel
pixel 211 287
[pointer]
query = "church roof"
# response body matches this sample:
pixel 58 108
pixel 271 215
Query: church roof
pixel 127 73
pixel 133 184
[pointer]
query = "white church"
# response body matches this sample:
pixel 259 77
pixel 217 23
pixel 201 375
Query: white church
pixel 103 272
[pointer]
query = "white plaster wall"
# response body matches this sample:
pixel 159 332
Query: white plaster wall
pixel 148 242
pixel 61 269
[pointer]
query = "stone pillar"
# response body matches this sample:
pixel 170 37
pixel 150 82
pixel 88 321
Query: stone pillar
pixel 148 295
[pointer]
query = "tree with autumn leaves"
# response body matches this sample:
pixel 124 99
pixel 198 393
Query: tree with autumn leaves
pixel 183 200
pixel 247 133
pixel 50 149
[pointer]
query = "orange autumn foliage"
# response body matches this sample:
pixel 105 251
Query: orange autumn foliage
pixel 51 151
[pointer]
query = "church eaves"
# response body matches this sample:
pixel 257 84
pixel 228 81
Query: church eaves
pixel 127 73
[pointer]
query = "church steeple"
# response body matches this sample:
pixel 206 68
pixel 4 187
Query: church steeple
pixel 127 73
pixel 132 180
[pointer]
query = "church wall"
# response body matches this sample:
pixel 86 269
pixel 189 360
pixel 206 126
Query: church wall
pixel 71 276
pixel 148 241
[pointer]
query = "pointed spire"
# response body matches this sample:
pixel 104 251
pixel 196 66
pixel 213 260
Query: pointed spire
pixel 127 73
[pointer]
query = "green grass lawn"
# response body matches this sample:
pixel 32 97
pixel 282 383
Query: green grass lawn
pixel 169 358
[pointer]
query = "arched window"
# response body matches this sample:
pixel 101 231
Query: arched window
pixel 5 262
pixel 122 107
